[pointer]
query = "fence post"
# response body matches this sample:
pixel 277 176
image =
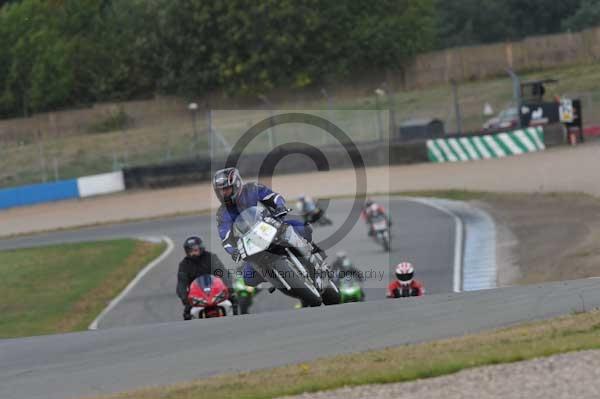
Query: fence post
pixel 55 164
pixel 211 140
pixel 456 106
pixel 42 157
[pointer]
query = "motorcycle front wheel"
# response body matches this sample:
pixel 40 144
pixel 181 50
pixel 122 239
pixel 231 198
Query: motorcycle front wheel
pixel 286 278
pixel 331 295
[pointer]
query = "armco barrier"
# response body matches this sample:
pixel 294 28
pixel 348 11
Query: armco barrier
pixel 498 145
pixel 100 184
pixel 61 190
pixel 38 193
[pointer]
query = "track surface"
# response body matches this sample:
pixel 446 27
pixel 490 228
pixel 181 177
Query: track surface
pixel 123 358
pixel 421 234
pixel 135 356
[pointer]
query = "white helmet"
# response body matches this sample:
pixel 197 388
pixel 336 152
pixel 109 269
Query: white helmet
pixel 405 272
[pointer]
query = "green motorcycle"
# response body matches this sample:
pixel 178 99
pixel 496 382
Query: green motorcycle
pixel 351 291
pixel 244 294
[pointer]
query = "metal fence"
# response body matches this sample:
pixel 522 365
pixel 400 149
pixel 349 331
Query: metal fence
pixel 178 132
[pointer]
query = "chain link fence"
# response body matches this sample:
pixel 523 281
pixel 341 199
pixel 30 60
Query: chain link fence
pixel 174 131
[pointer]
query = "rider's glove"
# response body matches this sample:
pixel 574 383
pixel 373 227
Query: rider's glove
pixel 236 255
pixel 280 212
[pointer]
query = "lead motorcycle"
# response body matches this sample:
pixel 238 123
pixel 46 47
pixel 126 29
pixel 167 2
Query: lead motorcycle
pixel 261 240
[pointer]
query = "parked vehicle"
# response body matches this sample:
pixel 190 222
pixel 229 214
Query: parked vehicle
pixel 506 119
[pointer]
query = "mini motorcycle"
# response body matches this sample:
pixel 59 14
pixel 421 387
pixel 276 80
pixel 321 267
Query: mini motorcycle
pixel 380 230
pixel 209 298
pixel 244 293
pixel 351 291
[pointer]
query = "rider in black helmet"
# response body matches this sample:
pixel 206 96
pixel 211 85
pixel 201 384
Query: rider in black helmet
pixel 198 262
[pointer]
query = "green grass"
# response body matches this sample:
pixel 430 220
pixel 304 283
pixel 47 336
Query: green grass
pixel 62 288
pixel 397 364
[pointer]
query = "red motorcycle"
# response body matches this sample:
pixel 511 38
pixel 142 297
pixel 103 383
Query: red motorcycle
pixel 209 298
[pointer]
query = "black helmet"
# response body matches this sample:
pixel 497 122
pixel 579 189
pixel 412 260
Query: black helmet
pixel 224 178
pixel 192 243
pixel 368 202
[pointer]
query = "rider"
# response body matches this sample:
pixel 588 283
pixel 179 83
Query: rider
pixel 198 262
pixel 405 285
pixel 372 210
pixel 306 205
pixel 235 197
pixel 342 267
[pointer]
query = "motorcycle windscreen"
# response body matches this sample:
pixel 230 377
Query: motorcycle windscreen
pixel 349 287
pixel 259 238
pixel 246 220
pixel 379 223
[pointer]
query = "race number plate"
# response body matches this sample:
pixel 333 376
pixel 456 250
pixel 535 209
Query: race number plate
pixel 259 238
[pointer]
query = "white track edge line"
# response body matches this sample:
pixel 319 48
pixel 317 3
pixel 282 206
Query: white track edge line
pixel 458 241
pixel 132 283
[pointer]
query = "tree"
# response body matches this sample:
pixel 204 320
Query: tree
pixel 467 22
pixel 586 16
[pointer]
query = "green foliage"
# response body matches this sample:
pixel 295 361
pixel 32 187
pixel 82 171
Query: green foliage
pixel 60 53
pixel 114 121
pixel 467 22
pixel 74 52
pixel 586 16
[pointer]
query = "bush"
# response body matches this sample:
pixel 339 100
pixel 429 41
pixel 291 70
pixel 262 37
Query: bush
pixel 114 121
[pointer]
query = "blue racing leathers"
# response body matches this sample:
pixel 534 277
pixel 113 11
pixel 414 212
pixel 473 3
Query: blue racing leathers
pixel 250 195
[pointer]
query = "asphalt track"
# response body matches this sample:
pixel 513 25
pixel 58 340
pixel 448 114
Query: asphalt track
pixel 124 358
pixel 116 359
pixel 136 354
pixel 420 233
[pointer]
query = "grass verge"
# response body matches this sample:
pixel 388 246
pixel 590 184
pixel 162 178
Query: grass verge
pixel 409 362
pixel 62 288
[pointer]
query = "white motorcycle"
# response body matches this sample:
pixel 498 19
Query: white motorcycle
pixel 381 231
pixel 267 243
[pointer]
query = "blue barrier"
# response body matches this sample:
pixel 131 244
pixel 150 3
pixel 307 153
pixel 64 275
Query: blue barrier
pixel 38 193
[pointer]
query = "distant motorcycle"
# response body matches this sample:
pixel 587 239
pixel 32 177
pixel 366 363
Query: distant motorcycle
pixel 311 213
pixel 209 298
pixel 351 291
pixel 261 240
pixel 245 294
pixel 380 231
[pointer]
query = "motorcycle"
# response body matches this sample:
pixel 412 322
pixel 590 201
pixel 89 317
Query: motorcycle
pixel 209 298
pixel 263 241
pixel 312 214
pixel 381 231
pixel 244 293
pixel 351 291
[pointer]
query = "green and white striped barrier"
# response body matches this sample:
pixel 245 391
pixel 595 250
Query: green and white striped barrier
pixel 497 145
